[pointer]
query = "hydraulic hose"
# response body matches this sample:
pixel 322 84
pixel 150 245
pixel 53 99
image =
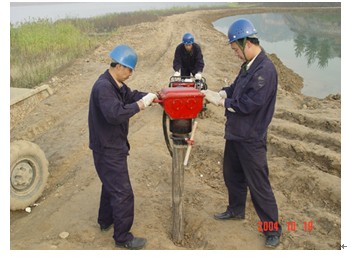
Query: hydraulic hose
pixel 166 134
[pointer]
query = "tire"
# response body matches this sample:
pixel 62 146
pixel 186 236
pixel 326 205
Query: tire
pixel 29 174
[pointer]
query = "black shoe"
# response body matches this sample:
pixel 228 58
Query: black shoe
pixel 272 241
pixel 227 215
pixel 135 243
pixel 105 228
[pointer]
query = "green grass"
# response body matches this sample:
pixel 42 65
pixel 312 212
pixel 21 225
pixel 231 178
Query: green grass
pixel 39 49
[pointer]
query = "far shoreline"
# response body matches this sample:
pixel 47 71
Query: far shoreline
pixel 214 15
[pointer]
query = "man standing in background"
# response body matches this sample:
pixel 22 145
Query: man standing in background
pixel 188 58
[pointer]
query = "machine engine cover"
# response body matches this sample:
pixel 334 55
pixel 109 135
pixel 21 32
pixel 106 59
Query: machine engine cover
pixel 181 102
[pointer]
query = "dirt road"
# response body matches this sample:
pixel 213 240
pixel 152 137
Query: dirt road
pixel 304 154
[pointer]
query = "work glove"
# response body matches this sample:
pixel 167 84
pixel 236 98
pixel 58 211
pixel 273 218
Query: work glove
pixel 198 76
pixel 223 94
pixel 148 99
pixel 214 97
pixel 177 74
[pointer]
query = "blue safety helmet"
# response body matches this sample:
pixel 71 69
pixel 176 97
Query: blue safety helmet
pixel 124 55
pixel 187 38
pixel 240 29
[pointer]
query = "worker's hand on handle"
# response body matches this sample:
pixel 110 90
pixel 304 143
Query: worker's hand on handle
pixel 147 100
pixel 223 94
pixel 213 97
pixel 198 76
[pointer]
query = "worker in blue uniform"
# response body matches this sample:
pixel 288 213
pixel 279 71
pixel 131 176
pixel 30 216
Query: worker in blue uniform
pixel 249 104
pixel 188 58
pixel 112 104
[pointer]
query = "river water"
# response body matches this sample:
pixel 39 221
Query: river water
pixel 309 43
pixel 26 12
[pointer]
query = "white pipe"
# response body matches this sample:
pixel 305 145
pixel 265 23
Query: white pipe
pixel 190 146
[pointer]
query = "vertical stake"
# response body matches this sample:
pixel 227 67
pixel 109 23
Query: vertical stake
pixel 177 192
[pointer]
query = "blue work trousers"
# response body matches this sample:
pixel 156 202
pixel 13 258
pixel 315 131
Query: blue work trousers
pixel 245 165
pixel 117 197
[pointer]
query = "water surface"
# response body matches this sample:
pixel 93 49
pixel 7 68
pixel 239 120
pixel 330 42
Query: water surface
pixel 307 43
pixel 25 12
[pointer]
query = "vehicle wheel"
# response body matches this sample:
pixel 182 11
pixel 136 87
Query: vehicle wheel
pixel 29 173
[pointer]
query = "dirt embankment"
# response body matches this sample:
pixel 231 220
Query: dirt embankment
pixel 304 154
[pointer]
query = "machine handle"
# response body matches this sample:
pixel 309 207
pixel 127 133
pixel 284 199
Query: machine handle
pixel 158 101
pixel 190 146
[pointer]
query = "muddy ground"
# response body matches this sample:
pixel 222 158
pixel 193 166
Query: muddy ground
pixel 304 154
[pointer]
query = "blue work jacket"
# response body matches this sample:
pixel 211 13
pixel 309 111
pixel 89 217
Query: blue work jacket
pixel 188 62
pixel 250 102
pixel 110 109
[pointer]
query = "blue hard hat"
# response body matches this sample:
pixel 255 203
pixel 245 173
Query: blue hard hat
pixel 240 29
pixel 124 55
pixel 187 38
